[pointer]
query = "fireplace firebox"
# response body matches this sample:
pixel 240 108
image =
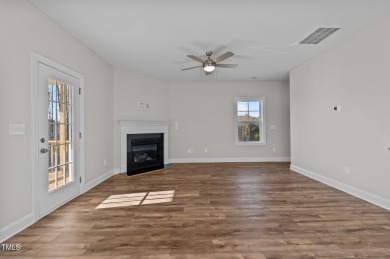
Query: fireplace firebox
pixel 145 152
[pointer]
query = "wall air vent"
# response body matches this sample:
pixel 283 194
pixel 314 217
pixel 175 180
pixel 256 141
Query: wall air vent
pixel 319 35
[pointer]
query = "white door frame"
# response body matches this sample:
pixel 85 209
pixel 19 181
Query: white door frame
pixel 35 60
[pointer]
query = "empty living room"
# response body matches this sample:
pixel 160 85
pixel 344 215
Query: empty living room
pixel 195 129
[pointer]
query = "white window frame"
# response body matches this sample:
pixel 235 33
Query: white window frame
pixel 262 121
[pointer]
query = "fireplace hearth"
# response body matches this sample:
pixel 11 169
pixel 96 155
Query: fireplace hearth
pixel 145 152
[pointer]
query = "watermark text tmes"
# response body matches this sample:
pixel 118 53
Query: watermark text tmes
pixel 11 247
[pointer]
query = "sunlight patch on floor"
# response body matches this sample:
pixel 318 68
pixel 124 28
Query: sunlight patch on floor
pixel 134 199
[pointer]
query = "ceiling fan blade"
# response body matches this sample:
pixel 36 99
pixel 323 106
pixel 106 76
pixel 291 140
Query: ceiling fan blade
pixel 224 56
pixel 195 58
pixel 226 65
pixel 190 68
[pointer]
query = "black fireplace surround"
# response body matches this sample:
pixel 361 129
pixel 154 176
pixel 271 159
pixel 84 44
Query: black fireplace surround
pixel 145 152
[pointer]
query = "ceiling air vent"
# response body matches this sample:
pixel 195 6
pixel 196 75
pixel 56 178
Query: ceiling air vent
pixel 319 35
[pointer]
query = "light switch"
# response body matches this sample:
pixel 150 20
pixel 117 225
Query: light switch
pixel 140 105
pixel 272 127
pixel 17 129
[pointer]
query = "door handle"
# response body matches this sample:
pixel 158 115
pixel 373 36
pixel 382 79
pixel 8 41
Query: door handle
pixel 44 150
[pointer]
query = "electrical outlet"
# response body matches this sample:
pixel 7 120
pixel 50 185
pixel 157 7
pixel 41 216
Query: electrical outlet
pixel 206 150
pixel 347 170
pixel 274 149
pixel 190 151
pixel 104 161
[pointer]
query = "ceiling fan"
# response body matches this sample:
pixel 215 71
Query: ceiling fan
pixel 210 64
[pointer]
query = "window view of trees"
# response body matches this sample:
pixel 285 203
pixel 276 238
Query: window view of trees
pixel 248 131
pixel 60 133
pixel 249 120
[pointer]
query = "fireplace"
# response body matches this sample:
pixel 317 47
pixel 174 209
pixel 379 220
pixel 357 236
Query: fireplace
pixel 145 152
pixel 128 127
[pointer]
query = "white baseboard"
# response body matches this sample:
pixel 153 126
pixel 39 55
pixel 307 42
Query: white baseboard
pixel 231 160
pixel 26 221
pixel 16 226
pixel 364 195
pixel 100 179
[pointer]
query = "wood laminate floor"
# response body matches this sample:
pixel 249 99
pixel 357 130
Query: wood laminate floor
pixel 219 210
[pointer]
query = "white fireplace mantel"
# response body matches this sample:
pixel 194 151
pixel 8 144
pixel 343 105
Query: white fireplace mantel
pixel 140 127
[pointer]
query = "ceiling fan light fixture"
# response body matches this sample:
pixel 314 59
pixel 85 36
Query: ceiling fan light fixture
pixel 209 68
pixel 209 64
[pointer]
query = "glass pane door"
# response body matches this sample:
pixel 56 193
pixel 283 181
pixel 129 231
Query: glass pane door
pixel 60 144
pixel 58 106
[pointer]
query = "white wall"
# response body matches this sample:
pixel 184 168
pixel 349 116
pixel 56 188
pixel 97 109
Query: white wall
pixel 204 111
pixel 23 29
pixel 353 74
pixel 130 89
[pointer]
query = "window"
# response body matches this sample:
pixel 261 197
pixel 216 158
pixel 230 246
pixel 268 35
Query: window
pixel 250 124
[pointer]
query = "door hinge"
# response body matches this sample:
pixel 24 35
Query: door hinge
pixel 79 134
pixel 80 179
pixel 79 90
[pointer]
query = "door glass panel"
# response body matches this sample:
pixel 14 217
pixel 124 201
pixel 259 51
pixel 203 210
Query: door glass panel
pixel 61 173
pixel 50 111
pixel 61 133
pixel 51 155
pixel 68 114
pixel 68 94
pixel 60 125
pixel 52 132
pixel 52 180
pixel 56 114
pixel 68 136
pixel 68 172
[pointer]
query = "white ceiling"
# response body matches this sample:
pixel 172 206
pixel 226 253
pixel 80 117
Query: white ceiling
pixel 153 37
